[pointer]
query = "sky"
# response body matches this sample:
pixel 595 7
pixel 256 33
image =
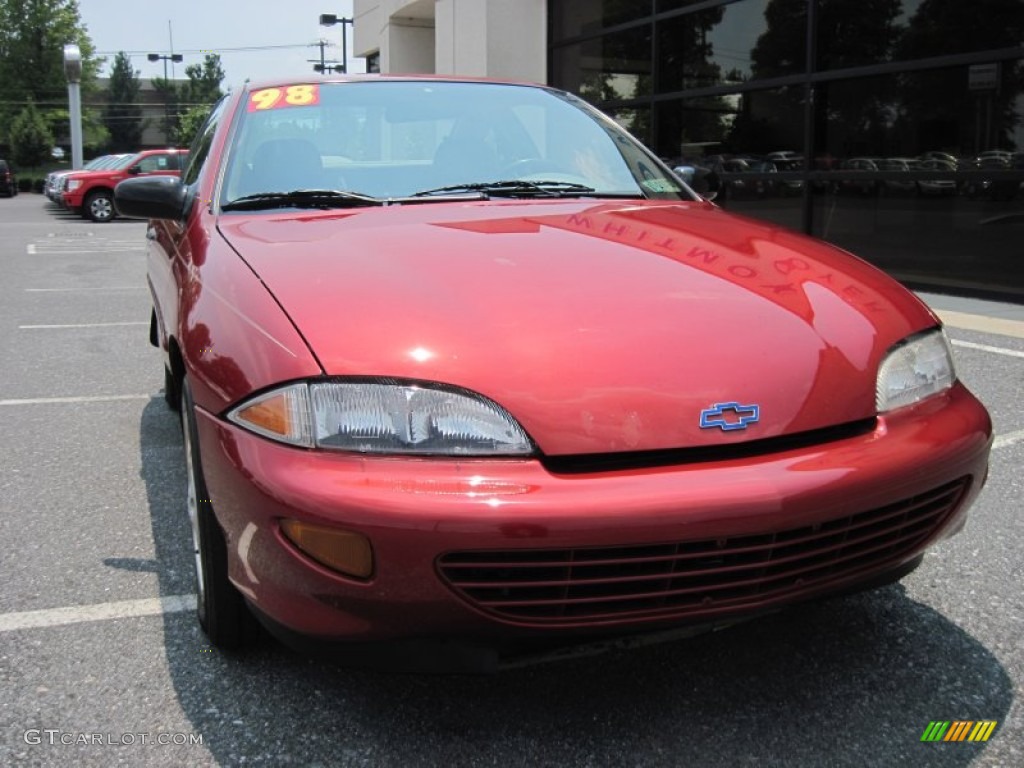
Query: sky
pixel 218 26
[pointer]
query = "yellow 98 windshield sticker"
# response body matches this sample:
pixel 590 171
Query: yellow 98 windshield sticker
pixel 279 98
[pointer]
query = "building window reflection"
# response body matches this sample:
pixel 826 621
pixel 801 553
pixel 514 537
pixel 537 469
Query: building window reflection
pixel 907 122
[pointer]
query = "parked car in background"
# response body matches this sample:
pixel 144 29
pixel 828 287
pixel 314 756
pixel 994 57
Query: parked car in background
pixel 91 193
pixel 936 187
pixel 8 182
pixel 744 178
pixel 52 185
pixel 463 364
pixel 943 157
pixel 898 186
pixel 994 187
pixel 860 186
pixel 790 165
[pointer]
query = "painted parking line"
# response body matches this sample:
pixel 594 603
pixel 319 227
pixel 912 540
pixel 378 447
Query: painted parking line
pixel 987 348
pixel 985 324
pixel 83 290
pixel 81 325
pixel 1010 438
pixel 75 400
pixel 77 614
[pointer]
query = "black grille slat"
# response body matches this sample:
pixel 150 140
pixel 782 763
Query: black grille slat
pixel 592 584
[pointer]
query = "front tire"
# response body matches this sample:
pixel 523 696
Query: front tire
pixel 99 206
pixel 220 607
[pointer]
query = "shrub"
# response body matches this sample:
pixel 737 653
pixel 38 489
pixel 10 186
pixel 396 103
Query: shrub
pixel 24 185
pixel 37 185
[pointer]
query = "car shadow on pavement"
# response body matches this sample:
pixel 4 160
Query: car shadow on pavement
pixel 850 681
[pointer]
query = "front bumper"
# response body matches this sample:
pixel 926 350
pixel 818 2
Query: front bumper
pixel 418 512
pixel 72 200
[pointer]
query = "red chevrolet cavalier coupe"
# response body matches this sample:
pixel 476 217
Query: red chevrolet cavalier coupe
pixel 462 363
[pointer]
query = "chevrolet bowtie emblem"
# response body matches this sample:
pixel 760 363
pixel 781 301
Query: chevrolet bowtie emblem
pixel 729 416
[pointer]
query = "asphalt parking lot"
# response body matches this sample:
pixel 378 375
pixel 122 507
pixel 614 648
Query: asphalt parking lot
pixel 102 662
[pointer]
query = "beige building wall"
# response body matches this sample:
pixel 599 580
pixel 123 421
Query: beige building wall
pixel 504 39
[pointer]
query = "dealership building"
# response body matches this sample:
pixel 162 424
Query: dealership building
pixel 891 128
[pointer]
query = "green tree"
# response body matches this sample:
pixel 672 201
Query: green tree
pixel 31 138
pixel 203 86
pixel 170 94
pixel 190 123
pixel 33 34
pixel 201 90
pixel 123 115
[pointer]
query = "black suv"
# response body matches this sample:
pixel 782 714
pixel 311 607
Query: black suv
pixel 8 184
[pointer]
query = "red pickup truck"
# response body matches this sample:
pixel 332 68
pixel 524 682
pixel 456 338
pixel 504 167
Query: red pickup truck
pixel 91 193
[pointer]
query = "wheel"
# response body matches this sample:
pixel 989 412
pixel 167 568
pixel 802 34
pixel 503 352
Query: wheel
pixel 99 206
pixel 220 607
pixel 171 394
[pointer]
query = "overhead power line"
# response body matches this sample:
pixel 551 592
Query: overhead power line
pixel 219 49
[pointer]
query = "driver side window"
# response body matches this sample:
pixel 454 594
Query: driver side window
pixel 202 143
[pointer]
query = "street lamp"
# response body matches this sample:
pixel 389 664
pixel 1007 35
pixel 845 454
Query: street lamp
pixel 176 58
pixel 73 71
pixel 329 20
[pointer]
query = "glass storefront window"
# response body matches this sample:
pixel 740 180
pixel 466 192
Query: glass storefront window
pixel 570 18
pixel 862 32
pixel 613 67
pixel 951 111
pixel 920 171
pixel 926 174
pixel 930 28
pixel 756 123
pixel 727 45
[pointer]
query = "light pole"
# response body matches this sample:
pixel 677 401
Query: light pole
pixel 329 20
pixel 73 70
pixel 177 58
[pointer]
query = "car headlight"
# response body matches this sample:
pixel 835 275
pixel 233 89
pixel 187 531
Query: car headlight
pixel 73 185
pixel 916 368
pixel 384 417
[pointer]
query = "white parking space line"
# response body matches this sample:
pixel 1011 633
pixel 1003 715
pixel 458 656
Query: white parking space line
pixel 77 290
pixel 1010 438
pixel 76 614
pixel 75 400
pixel 983 323
pixel 987 348
pixel 76 251
pixel 82 325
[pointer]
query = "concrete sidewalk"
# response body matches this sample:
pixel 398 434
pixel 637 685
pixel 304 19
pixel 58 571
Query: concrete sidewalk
pixel 969 314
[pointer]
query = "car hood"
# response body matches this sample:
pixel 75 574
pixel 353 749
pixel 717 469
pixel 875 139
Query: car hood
pixel 602 327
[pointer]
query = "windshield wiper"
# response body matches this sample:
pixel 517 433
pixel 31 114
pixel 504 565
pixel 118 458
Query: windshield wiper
pixel 515 188
pixel 301 198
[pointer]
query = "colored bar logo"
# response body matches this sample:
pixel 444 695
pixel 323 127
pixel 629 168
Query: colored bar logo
pixel 959 730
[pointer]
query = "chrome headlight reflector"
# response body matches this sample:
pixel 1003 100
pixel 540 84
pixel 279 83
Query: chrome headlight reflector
pixel 915 369
pixel 384 418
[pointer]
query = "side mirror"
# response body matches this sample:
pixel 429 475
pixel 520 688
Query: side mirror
pixel 685 172
pixel 133 170
pixel 152 197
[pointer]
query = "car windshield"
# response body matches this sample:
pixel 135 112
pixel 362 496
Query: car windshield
pixel 124 162
pixel 428 140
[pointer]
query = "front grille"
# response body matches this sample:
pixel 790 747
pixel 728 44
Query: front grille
pixel 675 580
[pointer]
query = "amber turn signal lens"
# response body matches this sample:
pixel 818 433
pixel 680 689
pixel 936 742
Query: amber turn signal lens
pixel 340 550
